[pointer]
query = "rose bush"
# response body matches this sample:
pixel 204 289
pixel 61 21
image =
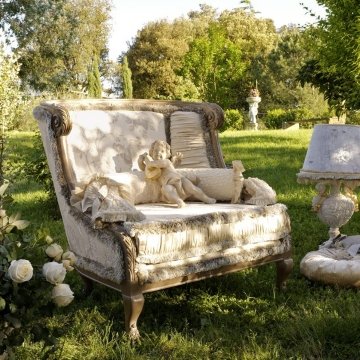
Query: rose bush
pixel 23 291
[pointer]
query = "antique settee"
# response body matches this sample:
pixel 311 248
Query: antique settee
pixel 139 244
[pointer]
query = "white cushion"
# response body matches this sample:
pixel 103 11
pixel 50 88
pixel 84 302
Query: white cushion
pixel 334 265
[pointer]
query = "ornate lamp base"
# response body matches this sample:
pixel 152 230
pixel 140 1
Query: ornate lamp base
pixel 334 208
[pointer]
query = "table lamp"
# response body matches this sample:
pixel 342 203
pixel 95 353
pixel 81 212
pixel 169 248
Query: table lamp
pixel 332 162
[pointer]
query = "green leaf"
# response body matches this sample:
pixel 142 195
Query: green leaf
pixel 26 238
pixel 3 251
pixel 21 224
pixel 15 217
pixel 2 303
pixel 3 188
pixel 13 308
pixel 9 228
pixel 4 221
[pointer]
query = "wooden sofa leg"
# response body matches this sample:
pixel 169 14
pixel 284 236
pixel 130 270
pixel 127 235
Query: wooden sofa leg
pixel 283 270
pixel 88 285
pixel 133 305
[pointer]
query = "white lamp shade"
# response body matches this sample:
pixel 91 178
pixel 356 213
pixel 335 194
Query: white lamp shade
pixel 333 153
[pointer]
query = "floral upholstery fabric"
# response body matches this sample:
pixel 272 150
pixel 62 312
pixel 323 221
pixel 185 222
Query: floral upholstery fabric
pixel 110 141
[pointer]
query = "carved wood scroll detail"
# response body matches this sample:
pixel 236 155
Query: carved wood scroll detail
pixel 214 118
pixel 130 252
pixel 60 120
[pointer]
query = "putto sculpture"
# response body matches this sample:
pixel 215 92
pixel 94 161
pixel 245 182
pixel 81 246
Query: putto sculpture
pixel 159 165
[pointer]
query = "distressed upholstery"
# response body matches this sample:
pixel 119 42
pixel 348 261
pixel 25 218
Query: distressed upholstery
pixel 92 148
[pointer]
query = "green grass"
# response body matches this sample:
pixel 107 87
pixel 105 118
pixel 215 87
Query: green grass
pixel 237 316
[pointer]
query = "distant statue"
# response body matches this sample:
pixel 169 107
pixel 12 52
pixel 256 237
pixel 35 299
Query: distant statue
pixel 253 99
pixel 253 111
pixel 159 165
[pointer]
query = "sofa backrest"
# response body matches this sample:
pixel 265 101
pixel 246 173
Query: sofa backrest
pixel 107 136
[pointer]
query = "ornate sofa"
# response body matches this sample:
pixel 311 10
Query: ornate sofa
pixel 122 236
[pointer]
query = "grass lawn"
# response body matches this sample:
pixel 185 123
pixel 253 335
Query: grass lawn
pixel 237 316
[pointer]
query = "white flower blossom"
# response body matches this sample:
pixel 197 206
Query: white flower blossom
pixel 69 255
pixel 67 265
pixel 62 295
pixel 54 272
pixel 54 251
pixel 20 270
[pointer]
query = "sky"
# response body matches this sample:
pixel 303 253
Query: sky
pixel 130 16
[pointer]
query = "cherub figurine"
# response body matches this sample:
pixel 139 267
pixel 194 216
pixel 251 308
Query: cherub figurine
pixel 160 165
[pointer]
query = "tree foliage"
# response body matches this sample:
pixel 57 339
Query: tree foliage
pixel 334 64
pixel 219 57
pixel 213 65
pixel 278 74
pixel 94 82
pixel 56 40
pixel 10 99
pixel 207 56
pixel 126 79
pixel 155 59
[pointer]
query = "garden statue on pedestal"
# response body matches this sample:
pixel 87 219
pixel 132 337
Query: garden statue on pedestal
pixel 253 99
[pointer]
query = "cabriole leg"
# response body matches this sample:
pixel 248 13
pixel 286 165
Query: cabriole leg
pixel 133 305
pixel 283 270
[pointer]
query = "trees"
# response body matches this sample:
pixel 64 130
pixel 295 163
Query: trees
pixel 334 65
pixel 56 40
pixel 156 57
pixel 126 79
pixel 278 75
pixel 10 99
pixel 207 56
pixel 94 82
pixel 213 64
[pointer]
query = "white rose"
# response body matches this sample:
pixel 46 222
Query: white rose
pixel 69 255
pixel 67 265
pixel 54 272
pixel 62 295
pixel 54 251
pixel 20 270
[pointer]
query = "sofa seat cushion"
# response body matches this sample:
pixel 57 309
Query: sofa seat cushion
pixel 246 255
pixel 171 234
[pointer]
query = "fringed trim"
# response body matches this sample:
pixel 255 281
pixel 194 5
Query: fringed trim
pixel 209 237
pixel 114 274
pixel 179 268
pixel 195 222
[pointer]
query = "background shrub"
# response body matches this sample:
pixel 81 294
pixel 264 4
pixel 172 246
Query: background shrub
pixel 353 117
pixel 276 117
pixel 234 120
pixel 24 120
